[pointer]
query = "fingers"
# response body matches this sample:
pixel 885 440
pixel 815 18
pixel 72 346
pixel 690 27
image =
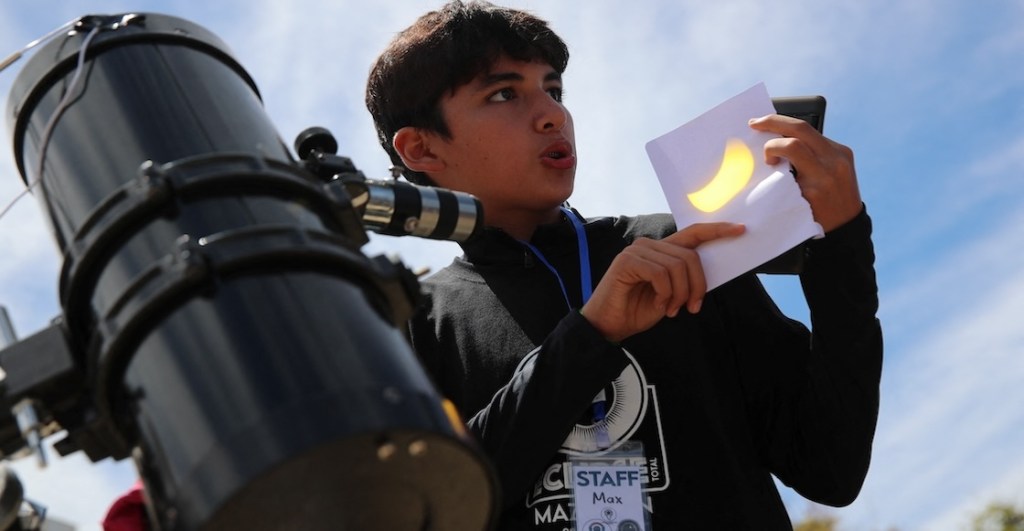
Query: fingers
pixel 652 279
pixel 800 143
pixel 803 145
pixel 674 273
pixel 674 269
pixel 791 127
pixel 825 169
pixel 694 235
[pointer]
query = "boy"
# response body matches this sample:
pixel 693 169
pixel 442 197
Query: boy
pixel 561 337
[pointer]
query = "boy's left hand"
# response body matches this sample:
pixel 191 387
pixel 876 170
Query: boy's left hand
pixel 824 168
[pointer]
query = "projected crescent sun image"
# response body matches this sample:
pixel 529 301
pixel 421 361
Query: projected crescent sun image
pixel 734 173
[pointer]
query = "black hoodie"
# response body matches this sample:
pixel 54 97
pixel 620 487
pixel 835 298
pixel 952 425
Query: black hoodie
pixel 721 400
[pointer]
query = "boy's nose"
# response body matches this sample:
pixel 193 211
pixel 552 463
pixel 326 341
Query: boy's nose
pixel 551 116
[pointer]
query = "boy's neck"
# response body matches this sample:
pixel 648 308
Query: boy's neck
pixel 522 227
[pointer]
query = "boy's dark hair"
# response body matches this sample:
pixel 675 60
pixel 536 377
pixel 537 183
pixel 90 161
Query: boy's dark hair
pixel 442 51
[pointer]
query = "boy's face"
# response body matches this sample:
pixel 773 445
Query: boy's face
pixel 512 143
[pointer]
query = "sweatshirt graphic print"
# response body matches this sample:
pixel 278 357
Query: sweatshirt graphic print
pixel 631 414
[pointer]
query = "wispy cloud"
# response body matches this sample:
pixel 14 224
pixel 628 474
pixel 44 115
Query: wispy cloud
pixel 952 418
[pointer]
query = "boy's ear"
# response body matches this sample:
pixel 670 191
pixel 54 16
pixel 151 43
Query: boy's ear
pixel 413 145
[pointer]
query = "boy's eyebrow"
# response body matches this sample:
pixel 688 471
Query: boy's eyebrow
pixel 487 80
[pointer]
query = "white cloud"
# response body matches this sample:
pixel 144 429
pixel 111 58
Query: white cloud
pixel 1006 485
pixel 973 189
pixel 952 419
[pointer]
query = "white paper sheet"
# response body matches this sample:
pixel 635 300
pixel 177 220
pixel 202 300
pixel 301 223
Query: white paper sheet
pixel 689 158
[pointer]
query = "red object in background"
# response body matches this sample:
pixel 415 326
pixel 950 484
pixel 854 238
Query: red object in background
pixel 128 513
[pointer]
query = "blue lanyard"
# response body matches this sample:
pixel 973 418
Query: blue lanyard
pixel 586 288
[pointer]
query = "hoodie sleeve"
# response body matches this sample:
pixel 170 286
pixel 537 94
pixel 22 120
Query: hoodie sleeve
pixel 813 398
pixel 524 423
pixel 542 402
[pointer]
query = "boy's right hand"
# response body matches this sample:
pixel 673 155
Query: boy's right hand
pixel 653 279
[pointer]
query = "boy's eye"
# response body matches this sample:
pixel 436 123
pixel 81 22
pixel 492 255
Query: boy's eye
pixel 504 94
pixel 508 94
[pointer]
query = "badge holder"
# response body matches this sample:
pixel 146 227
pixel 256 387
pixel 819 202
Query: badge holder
pixel 607 489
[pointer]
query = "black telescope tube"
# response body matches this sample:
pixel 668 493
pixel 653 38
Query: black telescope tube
pixel 233 339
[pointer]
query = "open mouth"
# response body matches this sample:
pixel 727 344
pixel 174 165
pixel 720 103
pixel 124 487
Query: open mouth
pixel 558 150
pixel 559 155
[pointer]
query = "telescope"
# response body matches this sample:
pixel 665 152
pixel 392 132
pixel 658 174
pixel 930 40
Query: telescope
pixel 219 324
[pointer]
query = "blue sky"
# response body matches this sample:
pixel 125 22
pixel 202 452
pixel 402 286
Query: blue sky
pixel 929 94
